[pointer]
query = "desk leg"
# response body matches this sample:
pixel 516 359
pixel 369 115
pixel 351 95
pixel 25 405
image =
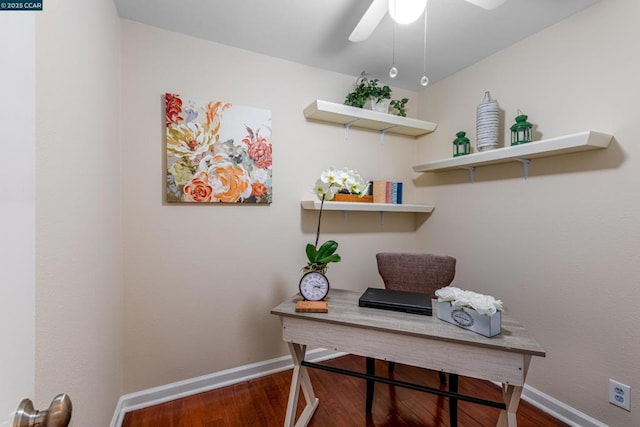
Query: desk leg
pixel 453 402
pixel 300 379
pixel 511 396
pixel 371 370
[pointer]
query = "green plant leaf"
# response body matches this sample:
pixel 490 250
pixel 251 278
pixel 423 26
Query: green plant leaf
pixel 311 253
pixel 366 88
pixel 327 249
pixel 330 258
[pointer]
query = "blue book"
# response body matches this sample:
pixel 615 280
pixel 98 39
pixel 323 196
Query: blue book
pixel 399 193
pixel 394 192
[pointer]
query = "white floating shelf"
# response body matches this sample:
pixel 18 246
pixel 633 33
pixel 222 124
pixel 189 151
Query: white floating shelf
pixel 359 117
pixel 365 207
pixel 582 141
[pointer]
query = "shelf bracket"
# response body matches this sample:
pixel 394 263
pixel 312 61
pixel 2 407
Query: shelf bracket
pixel 383 133
pixel 525 166
pixel 344 214
pixel 346 128
pixel 472 172
pixel 381 217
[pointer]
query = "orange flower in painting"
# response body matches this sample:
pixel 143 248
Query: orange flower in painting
pixel 213 115
pixel 232 183
pixel 173 108
pixel 258 189
pixel 198 189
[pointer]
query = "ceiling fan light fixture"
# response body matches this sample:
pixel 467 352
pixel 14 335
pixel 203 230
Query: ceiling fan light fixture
pixel 487 4
pixel 406 11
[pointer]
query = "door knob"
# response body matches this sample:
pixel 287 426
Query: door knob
pixel 58 414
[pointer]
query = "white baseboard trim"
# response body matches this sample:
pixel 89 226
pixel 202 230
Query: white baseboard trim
pixel 154 396
pixel 558 409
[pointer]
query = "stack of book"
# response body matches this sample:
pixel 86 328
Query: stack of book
pixel 387 192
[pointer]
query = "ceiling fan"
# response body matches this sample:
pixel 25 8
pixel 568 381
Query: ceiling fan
pixel 379 8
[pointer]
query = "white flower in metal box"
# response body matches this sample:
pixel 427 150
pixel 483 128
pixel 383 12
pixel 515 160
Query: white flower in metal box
pixel 483 304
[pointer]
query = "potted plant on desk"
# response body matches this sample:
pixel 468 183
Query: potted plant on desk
pixel 314 284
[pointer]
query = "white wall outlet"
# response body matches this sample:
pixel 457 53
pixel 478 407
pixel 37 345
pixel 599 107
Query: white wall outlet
pixel 620 394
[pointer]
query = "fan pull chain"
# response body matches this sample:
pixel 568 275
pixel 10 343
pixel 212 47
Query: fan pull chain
pixel 424 80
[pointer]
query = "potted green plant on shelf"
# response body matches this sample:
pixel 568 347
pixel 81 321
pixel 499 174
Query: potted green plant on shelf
pixel 399 107
pixel 369 93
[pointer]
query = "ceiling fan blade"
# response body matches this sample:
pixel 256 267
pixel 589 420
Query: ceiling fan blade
pixel 487 4
pixel 369 20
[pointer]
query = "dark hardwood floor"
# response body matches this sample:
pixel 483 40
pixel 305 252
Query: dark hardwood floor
pixel 262 402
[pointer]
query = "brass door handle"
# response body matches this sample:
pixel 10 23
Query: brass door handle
pixel 58 414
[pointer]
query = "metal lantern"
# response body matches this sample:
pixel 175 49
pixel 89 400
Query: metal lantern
pixel 461 144
pixel 521 130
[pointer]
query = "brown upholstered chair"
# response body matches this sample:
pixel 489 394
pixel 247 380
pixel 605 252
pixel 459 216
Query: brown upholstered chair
pixel 415 272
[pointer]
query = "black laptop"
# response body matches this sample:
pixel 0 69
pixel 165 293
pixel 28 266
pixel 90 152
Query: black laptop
pixel 387 299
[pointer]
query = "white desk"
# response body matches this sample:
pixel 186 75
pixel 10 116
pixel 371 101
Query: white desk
pixel 422 341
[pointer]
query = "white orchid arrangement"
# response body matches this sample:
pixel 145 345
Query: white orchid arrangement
pixel 483 304
pixel 333 181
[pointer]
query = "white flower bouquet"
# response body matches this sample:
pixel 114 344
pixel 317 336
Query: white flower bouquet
pixel 333 181
pixel 483 304
pixel 470 310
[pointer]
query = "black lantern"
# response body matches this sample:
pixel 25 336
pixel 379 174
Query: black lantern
pixel 521 130
pixel 461 144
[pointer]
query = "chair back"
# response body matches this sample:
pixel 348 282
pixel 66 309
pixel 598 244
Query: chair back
pixel 415 272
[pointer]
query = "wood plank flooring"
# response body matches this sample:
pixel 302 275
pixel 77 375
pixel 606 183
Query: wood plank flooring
pixel 262 402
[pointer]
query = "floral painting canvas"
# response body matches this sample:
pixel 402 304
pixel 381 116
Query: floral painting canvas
pixel 217 152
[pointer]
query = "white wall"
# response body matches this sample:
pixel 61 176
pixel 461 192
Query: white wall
pixel 79 325
pixel 561 247
pixel 200 280
pixel 17 209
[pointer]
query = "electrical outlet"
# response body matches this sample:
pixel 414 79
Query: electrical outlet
pixel 620 394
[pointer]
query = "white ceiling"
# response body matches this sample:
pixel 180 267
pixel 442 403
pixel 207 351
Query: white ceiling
pixel 315 32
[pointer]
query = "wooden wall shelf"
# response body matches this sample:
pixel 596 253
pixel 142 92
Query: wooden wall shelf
pixel 583 141
pixel 359 117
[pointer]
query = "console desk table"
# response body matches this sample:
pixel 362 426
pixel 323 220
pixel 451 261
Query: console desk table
pixel 411 339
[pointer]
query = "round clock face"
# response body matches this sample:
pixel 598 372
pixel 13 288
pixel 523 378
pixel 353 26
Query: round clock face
pixel 314 286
